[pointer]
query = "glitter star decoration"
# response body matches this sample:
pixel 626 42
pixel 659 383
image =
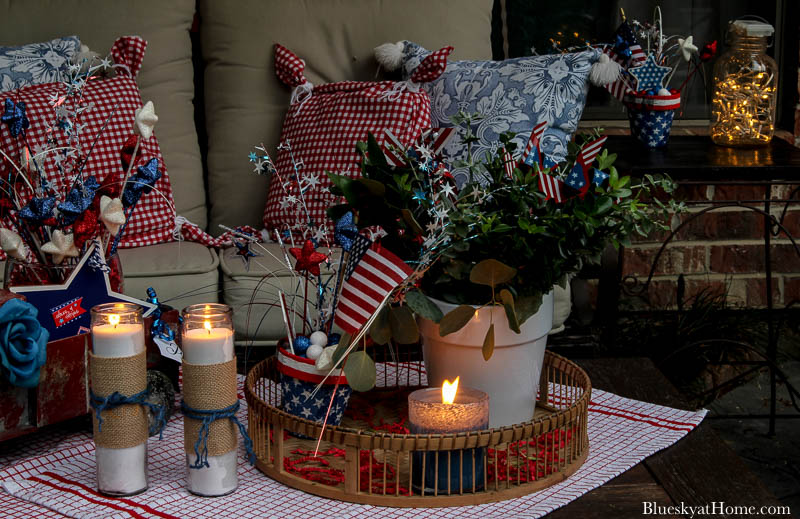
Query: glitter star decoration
pixel 308 259
pixel 650 75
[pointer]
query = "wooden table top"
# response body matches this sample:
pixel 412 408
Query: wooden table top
pixel 700 469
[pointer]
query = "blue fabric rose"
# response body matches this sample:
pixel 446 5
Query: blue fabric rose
pixel 23 343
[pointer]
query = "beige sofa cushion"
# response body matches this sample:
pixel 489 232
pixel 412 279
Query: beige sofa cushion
pixel 245 103
pixel 182 273
pixel 252 292
pixel 166 75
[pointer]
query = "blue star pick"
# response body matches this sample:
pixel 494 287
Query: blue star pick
pixel 650 75
pixel 64 309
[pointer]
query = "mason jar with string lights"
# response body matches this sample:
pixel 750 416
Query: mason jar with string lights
pixel 745 87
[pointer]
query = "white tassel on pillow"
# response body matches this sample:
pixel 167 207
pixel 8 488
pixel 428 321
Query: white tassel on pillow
pixel 605 71
pixel 390 55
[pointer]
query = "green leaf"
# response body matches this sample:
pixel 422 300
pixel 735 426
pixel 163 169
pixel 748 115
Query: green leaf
pixel 455 319
pixel 488 343
pixel 360 371
pixel 508 304
pixel 374 187
pixel 605 204
pixel 421 305
pixel 491 272
pixel 527 306
pixel 404 327
pixel 380 330
pixel 344 342
pixel 375 152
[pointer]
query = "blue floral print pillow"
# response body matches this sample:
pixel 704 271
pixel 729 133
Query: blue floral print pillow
pixel 36 63
pixel 512 95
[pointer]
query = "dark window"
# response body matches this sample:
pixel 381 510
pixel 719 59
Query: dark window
pixel 530 26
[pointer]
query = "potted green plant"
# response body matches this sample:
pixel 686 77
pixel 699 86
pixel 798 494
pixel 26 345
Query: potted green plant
pixel 493 251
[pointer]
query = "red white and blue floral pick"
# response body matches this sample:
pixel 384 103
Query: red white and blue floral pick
pixel 14 116
pixel 78 200
pixel 112 214
pixel 141 183
pixel 60 246
pixel 145 119
pixel 13 245
pixel 38 209
pixel 308 259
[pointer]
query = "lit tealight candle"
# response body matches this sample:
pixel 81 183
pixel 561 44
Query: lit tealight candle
pixel 447 411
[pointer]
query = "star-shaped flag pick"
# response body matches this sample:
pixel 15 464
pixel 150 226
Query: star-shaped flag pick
pixel 308 259
pixel 60 246
pixel 64 309
pixel 650 75
pixel 145 120
pixel 112 214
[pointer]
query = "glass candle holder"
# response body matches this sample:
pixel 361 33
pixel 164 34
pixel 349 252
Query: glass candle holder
pixel 453 471
pixel 119 365
pixel 207 340
pixel 745 88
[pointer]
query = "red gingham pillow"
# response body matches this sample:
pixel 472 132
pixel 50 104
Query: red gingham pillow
pixel 153 219
pixel 325 122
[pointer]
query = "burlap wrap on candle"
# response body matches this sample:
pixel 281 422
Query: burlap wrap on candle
pixel 210 386
pixel 127 425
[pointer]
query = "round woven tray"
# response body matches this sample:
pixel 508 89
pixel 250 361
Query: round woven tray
pixel 362 462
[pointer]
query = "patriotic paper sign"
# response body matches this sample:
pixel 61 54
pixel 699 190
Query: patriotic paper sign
pixel 374 277
pixel 64 309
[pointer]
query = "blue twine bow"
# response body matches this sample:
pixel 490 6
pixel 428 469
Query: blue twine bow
pixel 141 182
pixel 117 399
pixel 78 200
pixel 159 328
pixel 15 117
pixel 210 415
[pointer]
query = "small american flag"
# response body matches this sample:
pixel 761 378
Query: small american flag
pixel 376 275
pixel 591 150
pixel 551 187
pixel 360 246
pixel 394 157
pixel 509 163
pixel 436 139
pixel 532 148
pixel 577 177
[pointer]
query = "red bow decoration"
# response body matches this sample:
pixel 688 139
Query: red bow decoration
pixel 709 51
pixel 307 258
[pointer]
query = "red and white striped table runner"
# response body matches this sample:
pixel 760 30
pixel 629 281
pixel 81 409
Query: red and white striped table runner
pixel 55 472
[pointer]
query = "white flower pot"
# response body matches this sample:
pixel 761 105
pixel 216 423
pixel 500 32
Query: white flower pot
pixel 510 377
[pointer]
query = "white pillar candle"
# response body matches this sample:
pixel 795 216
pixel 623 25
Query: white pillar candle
pixel 120 471
pixel 210 345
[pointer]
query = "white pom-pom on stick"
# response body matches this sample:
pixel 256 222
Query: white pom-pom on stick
pixel 605 71
pixel 389 55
